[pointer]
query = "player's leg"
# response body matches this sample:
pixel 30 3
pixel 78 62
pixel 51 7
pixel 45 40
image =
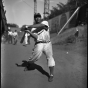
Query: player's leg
pixel 25 41
pixel 11 39
pixel 28 39
pixel 22 39
pixel 36 53
pixel 15 40
pixel 51 63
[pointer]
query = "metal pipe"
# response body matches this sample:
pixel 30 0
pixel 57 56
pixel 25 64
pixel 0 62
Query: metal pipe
pixel 68 20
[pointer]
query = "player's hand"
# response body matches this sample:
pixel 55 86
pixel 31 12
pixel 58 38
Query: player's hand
pixel 23 28
pixel 27 31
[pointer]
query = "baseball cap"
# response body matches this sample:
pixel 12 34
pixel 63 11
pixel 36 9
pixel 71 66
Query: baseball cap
pixel 37 15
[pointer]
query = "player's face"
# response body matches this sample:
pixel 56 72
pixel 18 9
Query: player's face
pixel 38 19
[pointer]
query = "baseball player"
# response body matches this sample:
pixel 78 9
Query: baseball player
pixel 10 36
pixel 26 39
pixel 42 43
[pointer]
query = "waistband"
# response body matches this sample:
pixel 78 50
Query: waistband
pixel 42 42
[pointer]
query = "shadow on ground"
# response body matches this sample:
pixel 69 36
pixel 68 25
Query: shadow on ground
pixel 32 66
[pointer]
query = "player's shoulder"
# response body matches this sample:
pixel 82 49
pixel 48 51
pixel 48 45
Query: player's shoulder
pixel 45 22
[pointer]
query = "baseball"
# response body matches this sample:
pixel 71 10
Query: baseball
pixel 67 52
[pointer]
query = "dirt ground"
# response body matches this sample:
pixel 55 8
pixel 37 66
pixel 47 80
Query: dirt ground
pixel 70 69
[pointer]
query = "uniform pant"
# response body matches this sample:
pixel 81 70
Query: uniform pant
pixel 9 39
pixel 14 40
pixel 26 39
pixel 45 48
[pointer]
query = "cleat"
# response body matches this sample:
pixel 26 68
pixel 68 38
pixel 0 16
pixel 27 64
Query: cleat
pixel 50 79
pixel 30 61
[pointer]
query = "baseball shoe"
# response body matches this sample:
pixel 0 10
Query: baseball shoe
pixel 50 79
pixel 30 62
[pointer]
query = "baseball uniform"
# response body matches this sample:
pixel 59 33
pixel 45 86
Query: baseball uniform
pixel 43 45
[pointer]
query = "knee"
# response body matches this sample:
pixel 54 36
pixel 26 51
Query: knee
pixel 51 62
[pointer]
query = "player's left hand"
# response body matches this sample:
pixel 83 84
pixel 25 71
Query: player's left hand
pixel 29 28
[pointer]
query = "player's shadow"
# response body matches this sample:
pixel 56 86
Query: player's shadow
pixel 32 66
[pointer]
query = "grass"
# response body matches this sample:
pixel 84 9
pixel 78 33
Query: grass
pixel 63 37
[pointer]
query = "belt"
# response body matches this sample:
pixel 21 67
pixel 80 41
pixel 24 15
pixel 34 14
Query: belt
pixel 42 42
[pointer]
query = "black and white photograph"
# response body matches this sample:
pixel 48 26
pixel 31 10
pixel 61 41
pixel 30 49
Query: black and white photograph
pixel 44 43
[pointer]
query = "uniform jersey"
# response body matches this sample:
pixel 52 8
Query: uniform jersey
pixel 9 32
pixel 33 29
pixel 44 35
pixel 15 34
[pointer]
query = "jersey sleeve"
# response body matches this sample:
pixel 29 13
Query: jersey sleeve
pixel 33 29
